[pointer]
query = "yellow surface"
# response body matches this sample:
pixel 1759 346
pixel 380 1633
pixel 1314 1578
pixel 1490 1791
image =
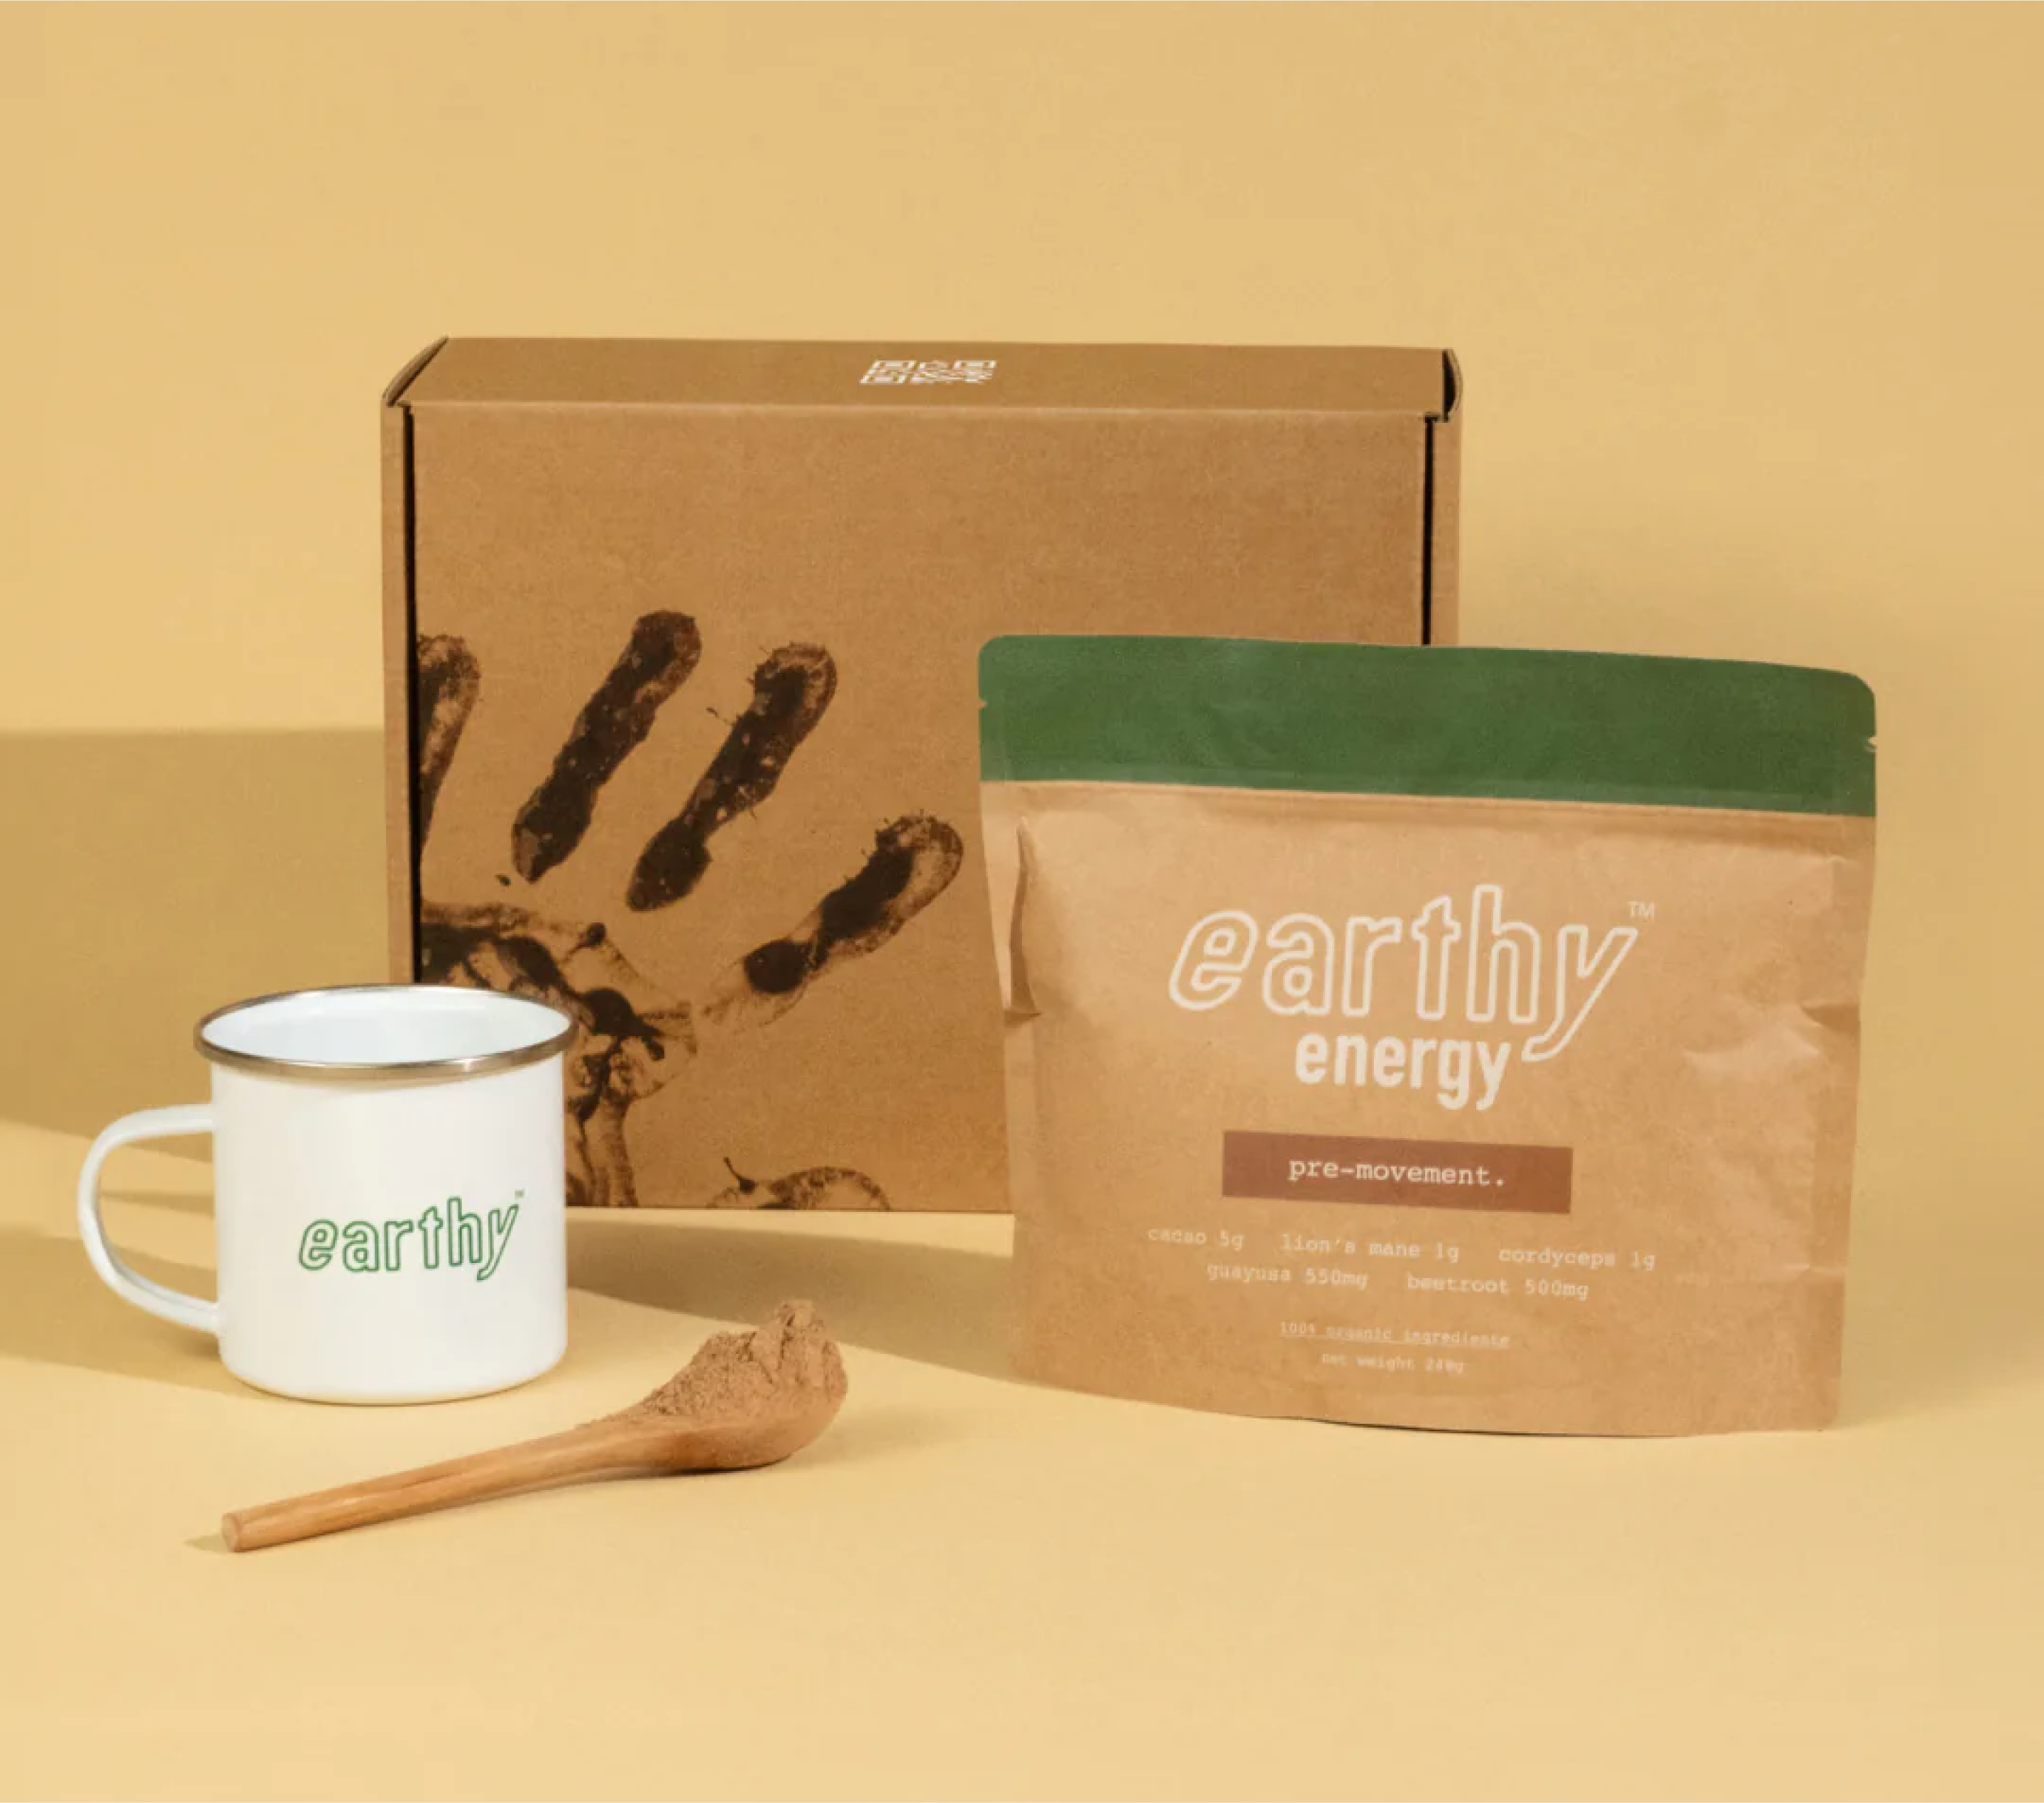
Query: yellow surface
pixel 976 1587
pixel 1747 299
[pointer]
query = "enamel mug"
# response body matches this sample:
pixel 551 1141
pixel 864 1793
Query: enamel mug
pixel 388 1192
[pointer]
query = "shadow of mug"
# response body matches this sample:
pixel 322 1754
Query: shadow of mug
pixel 54 1310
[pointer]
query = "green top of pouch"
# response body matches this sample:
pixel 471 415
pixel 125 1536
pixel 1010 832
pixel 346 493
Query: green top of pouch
pixel 1551 726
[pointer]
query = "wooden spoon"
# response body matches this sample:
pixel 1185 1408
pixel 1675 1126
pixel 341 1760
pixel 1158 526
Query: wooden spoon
pixel 744 1399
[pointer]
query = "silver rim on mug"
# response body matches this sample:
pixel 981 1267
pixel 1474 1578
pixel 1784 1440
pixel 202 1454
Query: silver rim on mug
pixel 333 1072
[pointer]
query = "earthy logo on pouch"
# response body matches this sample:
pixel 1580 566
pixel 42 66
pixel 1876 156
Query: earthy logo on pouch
pixel 452 1238
pixel 1477 969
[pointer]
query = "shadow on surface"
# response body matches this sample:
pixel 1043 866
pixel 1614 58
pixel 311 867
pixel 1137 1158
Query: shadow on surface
pixel 172 1202
pixel 156 876
pixel 54 1310
pixel 938 1304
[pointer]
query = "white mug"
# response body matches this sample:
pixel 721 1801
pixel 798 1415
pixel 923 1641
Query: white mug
pixel 388 1192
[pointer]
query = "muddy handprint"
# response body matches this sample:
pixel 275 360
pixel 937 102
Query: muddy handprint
pixel 636 1036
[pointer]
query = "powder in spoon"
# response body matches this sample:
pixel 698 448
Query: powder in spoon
pixel 757 1373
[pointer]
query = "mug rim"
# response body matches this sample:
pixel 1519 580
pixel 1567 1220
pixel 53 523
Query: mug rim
pixel 333 1071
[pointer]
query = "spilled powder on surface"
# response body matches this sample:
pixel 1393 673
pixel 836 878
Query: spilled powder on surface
pixel 757 1373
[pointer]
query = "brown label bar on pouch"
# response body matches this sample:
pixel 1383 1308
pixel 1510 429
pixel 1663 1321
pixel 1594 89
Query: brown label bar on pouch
pixel 1417 1173
pixel 1448 1038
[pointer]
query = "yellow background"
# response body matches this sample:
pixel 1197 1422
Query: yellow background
pixel 1747 300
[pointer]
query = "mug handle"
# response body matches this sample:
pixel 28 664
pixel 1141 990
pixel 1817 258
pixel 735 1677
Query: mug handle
pixel 172 1305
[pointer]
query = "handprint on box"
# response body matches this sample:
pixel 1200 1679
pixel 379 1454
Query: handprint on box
pixel 634 1035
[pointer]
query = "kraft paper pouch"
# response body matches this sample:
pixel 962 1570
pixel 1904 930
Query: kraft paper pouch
pixel 1447 1038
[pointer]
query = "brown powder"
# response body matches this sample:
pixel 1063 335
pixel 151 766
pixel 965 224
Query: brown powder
pixel 760 1373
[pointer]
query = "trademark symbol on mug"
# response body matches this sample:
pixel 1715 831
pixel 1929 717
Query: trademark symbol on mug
pixel 1640 911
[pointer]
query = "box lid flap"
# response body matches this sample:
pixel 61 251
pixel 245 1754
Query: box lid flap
pixel 730 373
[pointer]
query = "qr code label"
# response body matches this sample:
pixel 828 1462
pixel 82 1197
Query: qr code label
pixel 911 372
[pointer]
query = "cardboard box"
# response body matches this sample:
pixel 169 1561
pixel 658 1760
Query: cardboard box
pixel 681 692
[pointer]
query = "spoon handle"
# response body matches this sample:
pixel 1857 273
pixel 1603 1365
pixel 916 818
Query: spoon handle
pixel 577 1452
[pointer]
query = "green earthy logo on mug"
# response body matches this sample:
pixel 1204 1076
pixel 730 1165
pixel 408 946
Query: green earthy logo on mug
pixel 454 1238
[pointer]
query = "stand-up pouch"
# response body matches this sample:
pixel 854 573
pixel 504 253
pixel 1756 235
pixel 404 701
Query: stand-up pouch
pixel 1447 1038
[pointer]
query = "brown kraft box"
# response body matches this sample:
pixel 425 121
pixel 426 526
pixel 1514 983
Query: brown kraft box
pixel 680 687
